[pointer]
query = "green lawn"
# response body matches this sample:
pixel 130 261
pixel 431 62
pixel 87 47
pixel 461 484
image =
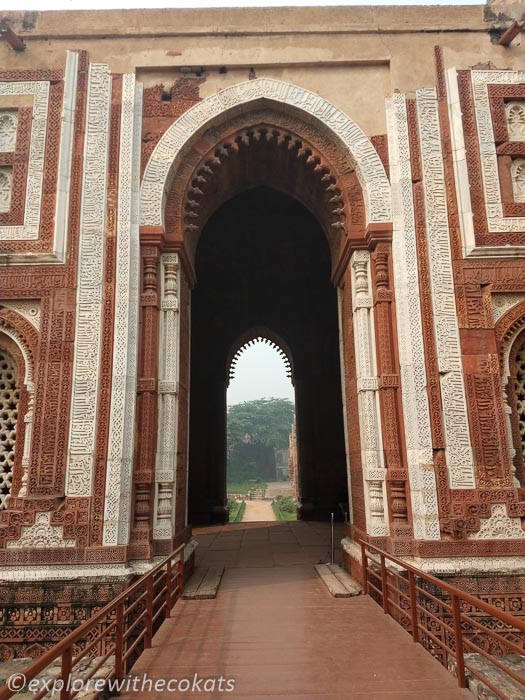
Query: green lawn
pixel 283 515
pixel 236 511
pixel 243 486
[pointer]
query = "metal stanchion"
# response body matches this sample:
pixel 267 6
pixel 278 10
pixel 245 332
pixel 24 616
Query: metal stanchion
pixel 332 538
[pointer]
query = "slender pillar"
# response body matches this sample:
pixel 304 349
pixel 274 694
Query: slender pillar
pixel 368 398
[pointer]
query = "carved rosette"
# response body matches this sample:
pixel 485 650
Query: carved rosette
pixel 515 114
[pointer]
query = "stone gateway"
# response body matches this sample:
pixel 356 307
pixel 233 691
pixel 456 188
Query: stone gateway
pixel 346 182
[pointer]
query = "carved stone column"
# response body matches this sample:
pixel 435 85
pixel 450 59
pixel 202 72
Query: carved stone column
pixel 146 404
pixel 510 433
pixel 28 420
pixel 368 398
pixel 388 373
pixel 165 467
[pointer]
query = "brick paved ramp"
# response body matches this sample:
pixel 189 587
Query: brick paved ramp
pixel 279 633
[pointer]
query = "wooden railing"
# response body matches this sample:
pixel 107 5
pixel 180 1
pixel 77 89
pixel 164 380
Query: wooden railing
pixel 447 621
pixel 116 635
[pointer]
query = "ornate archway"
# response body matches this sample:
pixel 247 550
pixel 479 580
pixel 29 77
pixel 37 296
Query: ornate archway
pixel 263 262
pixel 510 334
pixel 170 155
pixel 18 346
pixel 259 133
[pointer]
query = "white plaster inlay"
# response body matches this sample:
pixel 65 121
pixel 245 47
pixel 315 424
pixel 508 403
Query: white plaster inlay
pixel 86 363
pixel 423 490
pixel 460 460
pixel 117 506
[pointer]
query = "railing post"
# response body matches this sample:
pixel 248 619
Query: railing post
pixel 119 643
pixel 180 572
pixel 384 586
pixel 149 613
pixel 364 563
pixel 65 673
pixel 413 605
pixel 168 589
pixel 458 634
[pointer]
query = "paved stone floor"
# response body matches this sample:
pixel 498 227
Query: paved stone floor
pixel 252 544
pixel 277 632
pixel 258 511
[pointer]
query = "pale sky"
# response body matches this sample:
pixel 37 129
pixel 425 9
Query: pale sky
pixel 259 373
pixel 112 4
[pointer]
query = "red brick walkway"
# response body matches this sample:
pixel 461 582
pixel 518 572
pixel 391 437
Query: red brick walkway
pixel 278 633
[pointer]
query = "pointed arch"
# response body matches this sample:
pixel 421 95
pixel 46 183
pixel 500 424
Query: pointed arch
pixel 168 154
pixel 510 334
pixel 18 348
pixel 254 335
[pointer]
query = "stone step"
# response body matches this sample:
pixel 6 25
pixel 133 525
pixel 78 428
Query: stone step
pixel 344 577
pixel 191 588
pixel 204 583
pixel 338 581
pixel 508 688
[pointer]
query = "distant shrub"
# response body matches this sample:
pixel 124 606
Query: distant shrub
pixel 286 504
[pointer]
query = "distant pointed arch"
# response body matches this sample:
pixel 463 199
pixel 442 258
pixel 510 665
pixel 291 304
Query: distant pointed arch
pixel 252 336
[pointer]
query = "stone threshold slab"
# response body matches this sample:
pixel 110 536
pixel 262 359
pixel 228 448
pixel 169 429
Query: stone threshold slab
pixel 338 581
pixel 204 583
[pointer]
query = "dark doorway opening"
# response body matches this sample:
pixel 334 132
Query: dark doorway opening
pixel 263 260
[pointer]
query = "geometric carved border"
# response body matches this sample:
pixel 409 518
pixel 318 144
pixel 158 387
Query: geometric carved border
pixel 460 462
pixel 45 193
pixel 86 366
pixel 35 173
pixel 117 511
pixel 481 80
pixel 414 395
pixel 476 164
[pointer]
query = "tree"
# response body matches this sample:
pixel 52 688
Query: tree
pixel 264 421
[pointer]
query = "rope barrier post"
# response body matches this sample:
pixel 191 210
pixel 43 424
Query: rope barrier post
pixel 332 539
